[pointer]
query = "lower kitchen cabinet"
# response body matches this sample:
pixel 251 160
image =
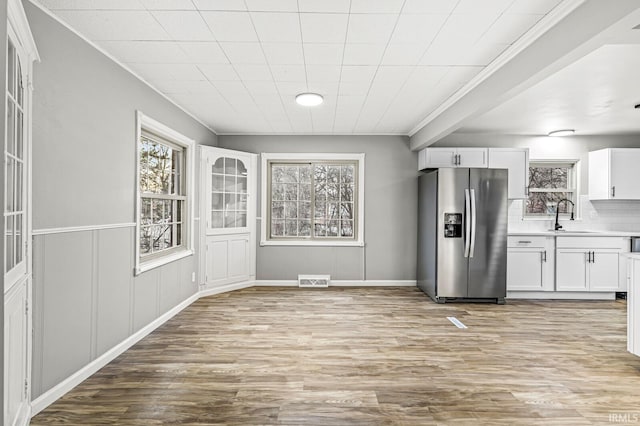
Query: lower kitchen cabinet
pixel 587 270
pixel 530 263
pixel 633 304
pixel 593 264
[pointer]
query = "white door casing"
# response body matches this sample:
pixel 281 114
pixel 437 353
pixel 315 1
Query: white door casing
pixel 17 262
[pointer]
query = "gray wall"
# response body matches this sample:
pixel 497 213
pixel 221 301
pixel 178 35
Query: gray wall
pixel 544 147
pixel 86 299
pixel 3 115
pixel 390 211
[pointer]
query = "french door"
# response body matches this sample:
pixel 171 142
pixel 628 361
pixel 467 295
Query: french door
pixel 21 53
pixel 227 216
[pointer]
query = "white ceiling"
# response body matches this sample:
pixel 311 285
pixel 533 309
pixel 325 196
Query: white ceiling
pixel 595 95
pixel 382 65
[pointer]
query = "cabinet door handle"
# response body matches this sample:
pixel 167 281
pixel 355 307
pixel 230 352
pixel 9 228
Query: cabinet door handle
pixel 524 242
pixel 459 159
pixel 544 256
pixel 593 257
pixel 613 192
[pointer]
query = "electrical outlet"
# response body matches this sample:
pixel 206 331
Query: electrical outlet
pixel 193 277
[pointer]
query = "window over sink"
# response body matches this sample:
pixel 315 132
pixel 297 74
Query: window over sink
pixel 550 182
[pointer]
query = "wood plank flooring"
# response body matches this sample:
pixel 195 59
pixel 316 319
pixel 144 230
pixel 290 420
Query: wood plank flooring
pixel 368 356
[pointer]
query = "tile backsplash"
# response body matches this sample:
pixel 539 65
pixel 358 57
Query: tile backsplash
pixel 594 215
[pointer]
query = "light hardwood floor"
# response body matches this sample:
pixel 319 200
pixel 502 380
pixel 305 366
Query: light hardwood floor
pixel 367 356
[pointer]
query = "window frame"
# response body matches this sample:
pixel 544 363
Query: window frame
pixel 268 158
pixel 149 125
pixel 575 189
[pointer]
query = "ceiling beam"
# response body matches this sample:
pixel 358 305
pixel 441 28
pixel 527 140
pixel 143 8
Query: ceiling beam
pixel 579 29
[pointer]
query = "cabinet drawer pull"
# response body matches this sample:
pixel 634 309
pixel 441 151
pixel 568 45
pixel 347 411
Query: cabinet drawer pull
pixel 524 242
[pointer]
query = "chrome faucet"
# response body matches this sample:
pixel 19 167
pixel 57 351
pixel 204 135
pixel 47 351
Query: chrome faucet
pixel 557 225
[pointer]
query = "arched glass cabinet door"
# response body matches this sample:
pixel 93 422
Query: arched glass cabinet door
pixel 228 209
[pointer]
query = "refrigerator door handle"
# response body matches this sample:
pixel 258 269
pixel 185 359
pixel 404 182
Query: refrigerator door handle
pixel 473 222
pixel 467 222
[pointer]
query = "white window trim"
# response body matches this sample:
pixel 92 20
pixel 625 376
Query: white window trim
pixel 267 157
pixel 578 211
pixel 144 121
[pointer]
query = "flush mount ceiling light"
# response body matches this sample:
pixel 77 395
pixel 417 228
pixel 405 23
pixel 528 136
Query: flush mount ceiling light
pixel 309 99
pixel 565 132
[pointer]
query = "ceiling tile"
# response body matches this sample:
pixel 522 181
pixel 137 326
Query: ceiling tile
pixel 262 88
pixel 325 88
pixel 145 51
pixel 533 6
pixel 283 53
pixel 220 5
pixel 351 88
pixel 363 54
pixel 484 6
pixel 203 52
pixel 114 25
pixel 254 72
pixel 272 5
pixel 183 25
pixel 323 27
pixel 376 6
pixel 429 6
pixel 403 54
pixel 291 73
pixel 232 89
pixel 326 6
pixel 92 4
pixel 417 28
pixel 358 73
pixel 168 71
pixel 168 4
pixel 509 27
pixel 323 53
pixel 230 26
pixel 291 88
pixel 370 28
pixel 321 73
pixel 243 53
pixel 219 72
pixel 198 87
pixel 277 27
pixel 465 29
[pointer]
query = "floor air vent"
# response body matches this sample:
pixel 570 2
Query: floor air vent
pixel 313 280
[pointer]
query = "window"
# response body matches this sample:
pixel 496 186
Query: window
pixel 164 195
pixel 313 199
pixel 550 182
pixel 14 157
pixel 228 193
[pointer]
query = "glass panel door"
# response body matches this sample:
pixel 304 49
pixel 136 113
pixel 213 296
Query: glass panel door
pixel 229 193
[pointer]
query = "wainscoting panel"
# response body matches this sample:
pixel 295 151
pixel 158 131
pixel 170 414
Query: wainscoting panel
pixel 87 300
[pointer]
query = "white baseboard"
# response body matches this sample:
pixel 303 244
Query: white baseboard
pixel 50 396
pixel 561 295
pixel 225 288
pixel 340 283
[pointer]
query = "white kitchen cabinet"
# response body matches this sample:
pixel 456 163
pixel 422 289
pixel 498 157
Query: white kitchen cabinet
pixel 633 305
pixel 433 158
pixel 614 173
pixel 592 264
pixel 530 263
pixel 516 161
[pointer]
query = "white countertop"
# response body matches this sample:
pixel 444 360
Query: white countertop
pixel 577 233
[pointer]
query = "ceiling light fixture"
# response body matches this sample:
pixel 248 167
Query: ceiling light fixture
pixel 564 132
pixel 309 99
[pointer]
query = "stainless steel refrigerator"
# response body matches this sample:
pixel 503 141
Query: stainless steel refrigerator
pixel 462 234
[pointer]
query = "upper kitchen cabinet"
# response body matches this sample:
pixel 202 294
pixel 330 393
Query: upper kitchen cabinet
pixel 614 174
pixel 516 161
pixel 433 158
